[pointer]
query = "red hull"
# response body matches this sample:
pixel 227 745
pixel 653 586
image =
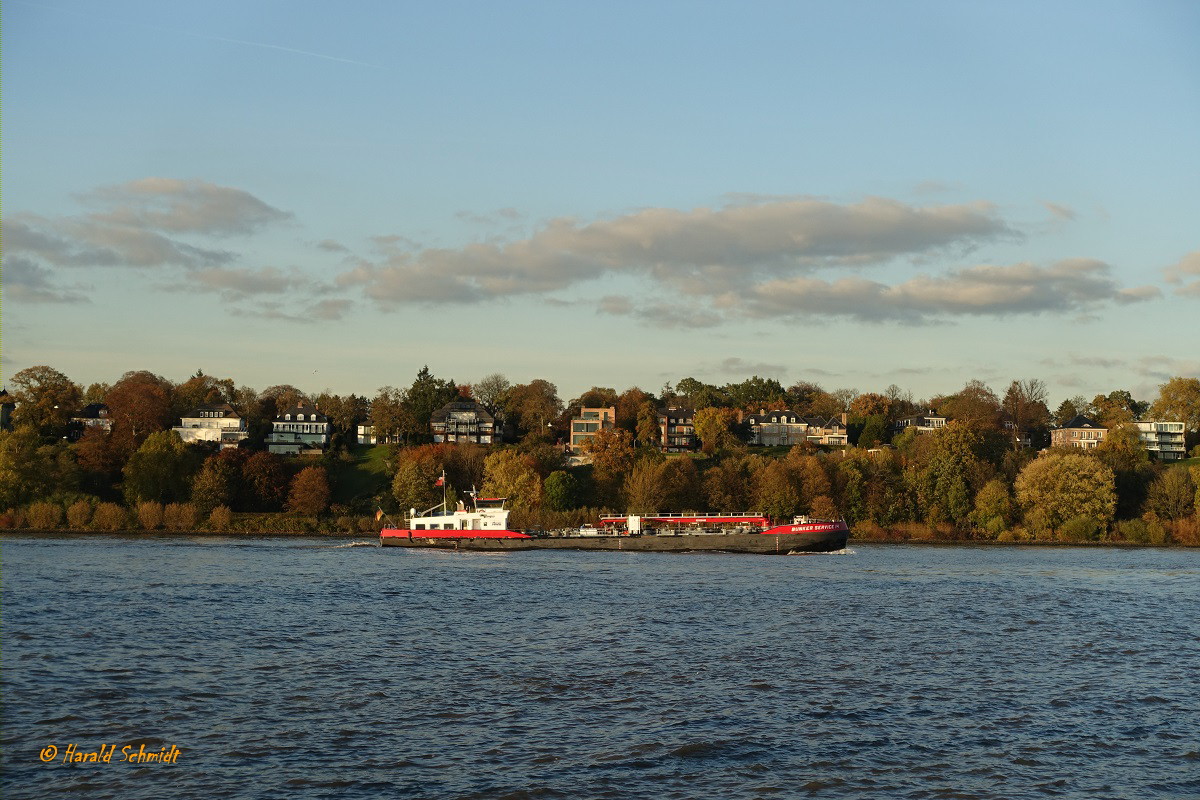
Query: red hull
pixel 807 527
pixel 406 533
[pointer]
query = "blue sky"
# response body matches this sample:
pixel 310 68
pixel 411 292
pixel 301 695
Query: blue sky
pixel 857 194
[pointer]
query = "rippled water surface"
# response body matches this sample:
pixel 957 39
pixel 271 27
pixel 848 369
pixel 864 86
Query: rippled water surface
pixel 309 668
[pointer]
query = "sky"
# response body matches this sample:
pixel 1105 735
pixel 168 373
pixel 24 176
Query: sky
pixel 856 194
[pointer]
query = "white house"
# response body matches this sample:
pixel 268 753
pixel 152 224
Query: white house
pixel 1165 440
pixel 298 430
pixel 220 424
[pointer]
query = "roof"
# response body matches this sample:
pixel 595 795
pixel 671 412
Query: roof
pixel 227 411
pixel 1081 421
pixel 776 417
pixel 461 406
pixel 93 411
pixel 310 412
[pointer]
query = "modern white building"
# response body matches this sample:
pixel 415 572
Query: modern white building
pixel 219 424
pixel 302 429
pixel 1164 440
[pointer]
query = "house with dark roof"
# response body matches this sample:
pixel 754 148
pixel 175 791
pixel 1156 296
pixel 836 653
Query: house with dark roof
pixel 1079 432
pixel 93 415
pixel 463 421
pixel 777 428
pixel 677 428
pixel 218 424
pixel 921 423
pixel 299 430
pixel 832 431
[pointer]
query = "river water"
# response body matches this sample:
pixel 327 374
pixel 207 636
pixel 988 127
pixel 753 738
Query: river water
pixel 315 668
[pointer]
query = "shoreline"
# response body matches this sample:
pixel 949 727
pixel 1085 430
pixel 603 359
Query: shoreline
pixel 66 533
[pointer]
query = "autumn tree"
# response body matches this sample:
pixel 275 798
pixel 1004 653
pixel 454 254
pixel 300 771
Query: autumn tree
pixel 1062 485
pixel 612 454
pixel 310 491
pixel 699 395
pixel 389 416
pixel 508 473
pixel 629 407
pixel 1178 401
pixel 775 491
pixel 714 426
pixel 681 483
pixel 975 405
pixel 489 391
pixel 201 389
pixel 46 400
pixel 643 488
pixel 532 407
pixel 267 481
pixel 139 404
pixel 1025 404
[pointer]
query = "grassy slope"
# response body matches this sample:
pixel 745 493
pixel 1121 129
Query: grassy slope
pixel 362 477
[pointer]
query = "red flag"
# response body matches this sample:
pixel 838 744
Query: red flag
pixel 440 481
pixel 379 515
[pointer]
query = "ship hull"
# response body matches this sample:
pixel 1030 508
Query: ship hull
pixel 778 541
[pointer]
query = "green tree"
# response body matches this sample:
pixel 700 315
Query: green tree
pixel 46 400
pixel 214 484
pixel 561 491
pixel 161 469
pixel 873 432
pixel 1122 451
pixel 1172 495
pixel 413 488
pixel 649 434
pixel 310 491
pixel 426 395
pixel 944 485
pixel 1062 485
pixel 755 393
pixel 994 510
pixel 25 467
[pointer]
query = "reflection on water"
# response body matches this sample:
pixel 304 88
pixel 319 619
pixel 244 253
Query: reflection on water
pixel 305 667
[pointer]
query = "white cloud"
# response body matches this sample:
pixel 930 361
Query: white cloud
pixel 182 206
pixel 1186 275
pixel 698 252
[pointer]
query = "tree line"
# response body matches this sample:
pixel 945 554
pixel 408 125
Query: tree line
pixel 971 479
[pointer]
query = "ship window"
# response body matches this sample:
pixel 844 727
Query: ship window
pixel 420 526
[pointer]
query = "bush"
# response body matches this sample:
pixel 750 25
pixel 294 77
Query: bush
pixel 1156 533
pixel 44 516
pixel 79 514
pixel 221 519
pixel 180 516
pixel 1132 530
pixel 1080 529
pixel 150 514
pixel 110 517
